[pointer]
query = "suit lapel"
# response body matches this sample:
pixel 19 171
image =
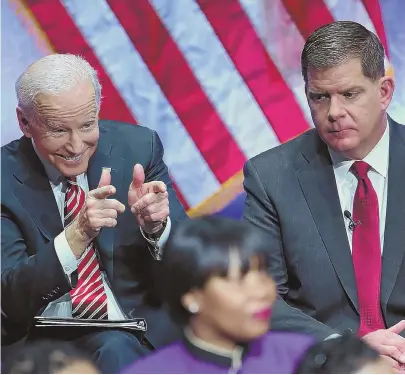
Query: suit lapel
pixel 104 157
pixel 394 238
pixel 34 191
pixel 318 184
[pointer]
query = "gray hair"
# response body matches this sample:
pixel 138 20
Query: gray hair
pixel 54 74
pixel 338 42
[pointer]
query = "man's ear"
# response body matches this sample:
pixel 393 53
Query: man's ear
pixel 386 86
pixel 23 123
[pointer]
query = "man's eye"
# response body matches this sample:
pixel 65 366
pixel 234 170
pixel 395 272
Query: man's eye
pixel 318 97
pixel 350 95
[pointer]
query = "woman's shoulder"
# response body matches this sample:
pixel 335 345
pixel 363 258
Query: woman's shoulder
pixel 286 341
pixel 157 361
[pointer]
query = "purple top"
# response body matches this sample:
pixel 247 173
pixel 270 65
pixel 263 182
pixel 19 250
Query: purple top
pixel 275 352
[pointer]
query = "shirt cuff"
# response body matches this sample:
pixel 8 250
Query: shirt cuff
pixel 165 235
pixel 65 255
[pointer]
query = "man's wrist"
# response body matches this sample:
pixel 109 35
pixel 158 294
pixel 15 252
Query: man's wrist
pixel 156 231
pixel 77 240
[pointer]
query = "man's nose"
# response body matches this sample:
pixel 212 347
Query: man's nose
pixel 75 144
pixel 336 109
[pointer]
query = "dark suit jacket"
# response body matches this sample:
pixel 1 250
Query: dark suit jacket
pixel 292 199
pixel 31 275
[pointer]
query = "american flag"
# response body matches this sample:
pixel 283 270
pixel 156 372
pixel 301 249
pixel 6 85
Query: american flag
pixel 219 80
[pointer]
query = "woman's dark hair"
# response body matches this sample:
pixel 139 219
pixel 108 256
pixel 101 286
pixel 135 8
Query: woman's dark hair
pixel 342 355
pixel 198 249
pixel 43 357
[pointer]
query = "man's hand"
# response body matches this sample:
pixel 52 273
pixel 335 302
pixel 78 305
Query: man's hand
pixel 97 212
pixel 148 201
pixel 389 343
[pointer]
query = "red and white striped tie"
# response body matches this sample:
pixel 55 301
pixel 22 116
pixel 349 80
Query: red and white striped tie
pixel 89 300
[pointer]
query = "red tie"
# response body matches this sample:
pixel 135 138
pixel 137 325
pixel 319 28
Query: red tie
pixel 367 251
pixel 89 300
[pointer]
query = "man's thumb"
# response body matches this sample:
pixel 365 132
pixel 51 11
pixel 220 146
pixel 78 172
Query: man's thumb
pixel 138 176
pixel 105 178
pixel 398 328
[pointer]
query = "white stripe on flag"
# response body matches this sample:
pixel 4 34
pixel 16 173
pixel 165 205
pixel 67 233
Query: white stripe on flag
pixel 217 75
pixel 353 10
pixel 142 94
pixel 283 42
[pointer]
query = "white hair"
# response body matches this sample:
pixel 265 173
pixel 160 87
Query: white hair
pixel 54 74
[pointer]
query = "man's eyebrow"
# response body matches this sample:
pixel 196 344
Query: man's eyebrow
pixel 54 124
pixel 89 121
pixel 353 88
pixel 317 92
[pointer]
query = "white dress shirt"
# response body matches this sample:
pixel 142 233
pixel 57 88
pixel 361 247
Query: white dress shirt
pixel 62 307
pixel 346 181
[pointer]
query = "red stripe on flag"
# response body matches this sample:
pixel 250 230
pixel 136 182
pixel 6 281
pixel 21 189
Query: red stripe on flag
pixel 180 196
pixel 308 15
pixel 250 57
pixel 170 69
pixel 374 12
pixel 64 36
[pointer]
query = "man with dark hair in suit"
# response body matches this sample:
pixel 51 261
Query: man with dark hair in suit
pixel 331 202
pixel 85 210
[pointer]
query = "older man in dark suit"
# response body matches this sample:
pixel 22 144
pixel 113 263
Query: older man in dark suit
pixel 86 207
pixel 331 202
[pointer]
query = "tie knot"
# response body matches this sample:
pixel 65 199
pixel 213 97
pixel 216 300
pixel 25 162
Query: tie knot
pixel 72 180
pixel 360 169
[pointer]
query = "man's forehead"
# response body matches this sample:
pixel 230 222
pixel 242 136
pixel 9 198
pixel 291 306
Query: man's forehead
pixel 335 79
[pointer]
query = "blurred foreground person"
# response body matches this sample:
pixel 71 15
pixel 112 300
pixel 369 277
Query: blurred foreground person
pixel 331 202
pixel 215 283
pixel 85 207
pixel 49 357
pixel 343 355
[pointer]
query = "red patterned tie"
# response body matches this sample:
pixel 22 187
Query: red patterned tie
pixel 367 251
pixel 89 300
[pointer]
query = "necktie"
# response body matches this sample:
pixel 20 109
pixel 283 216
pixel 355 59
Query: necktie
pixel 89 300
pixel 367 251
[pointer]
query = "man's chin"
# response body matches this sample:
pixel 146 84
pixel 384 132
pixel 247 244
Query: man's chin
pixel 342 144
pixel 69 170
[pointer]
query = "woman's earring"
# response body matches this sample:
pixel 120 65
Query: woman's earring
pixel 193 308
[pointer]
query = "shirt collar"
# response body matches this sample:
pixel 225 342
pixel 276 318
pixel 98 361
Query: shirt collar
pixel 377 158
pixel 214 354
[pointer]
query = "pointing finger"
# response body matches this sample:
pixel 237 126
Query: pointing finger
pixel 102 192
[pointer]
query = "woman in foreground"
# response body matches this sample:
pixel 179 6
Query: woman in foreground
pixel 216 286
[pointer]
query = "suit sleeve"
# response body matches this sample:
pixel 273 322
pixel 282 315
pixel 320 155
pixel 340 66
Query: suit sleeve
pixel 28 282
pixel 260 212
pixel 157 171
